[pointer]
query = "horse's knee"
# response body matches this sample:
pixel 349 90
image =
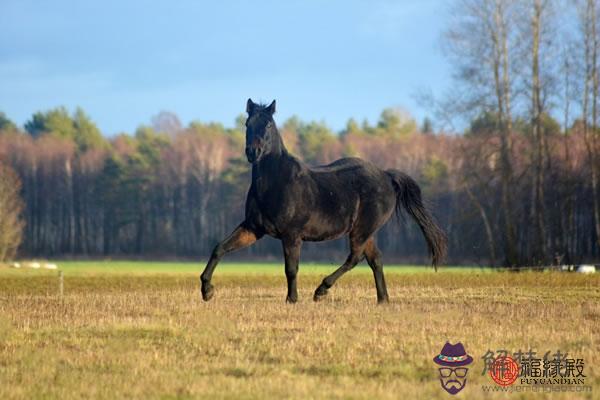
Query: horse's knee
pixel 376 264
pixel 218 251
pixel 291 269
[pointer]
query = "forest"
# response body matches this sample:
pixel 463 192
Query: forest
pixel 508 160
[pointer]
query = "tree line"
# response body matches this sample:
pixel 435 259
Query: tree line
pixel 515 184
pixel 519 67
pixel 169 190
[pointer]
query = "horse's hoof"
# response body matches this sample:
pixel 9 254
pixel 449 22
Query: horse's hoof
pixel 208 291
pixel 384 300
pixel 320 293
pixel 291 300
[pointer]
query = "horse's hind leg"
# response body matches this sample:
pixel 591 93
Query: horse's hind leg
pixel 241 237
pixel 357 248
pixel 373 256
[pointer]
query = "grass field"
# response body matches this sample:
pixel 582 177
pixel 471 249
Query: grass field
pixel 140 330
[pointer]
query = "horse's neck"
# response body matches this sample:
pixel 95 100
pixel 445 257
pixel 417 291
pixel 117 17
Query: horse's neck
pixel 277 146
pixel 271 170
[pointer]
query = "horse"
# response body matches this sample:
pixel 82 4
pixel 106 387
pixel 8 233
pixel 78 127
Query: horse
pixel 294 202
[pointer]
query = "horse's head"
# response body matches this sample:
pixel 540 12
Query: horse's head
pixel 261 133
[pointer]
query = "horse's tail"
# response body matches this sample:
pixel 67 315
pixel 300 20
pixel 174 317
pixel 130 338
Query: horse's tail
pixel 409 196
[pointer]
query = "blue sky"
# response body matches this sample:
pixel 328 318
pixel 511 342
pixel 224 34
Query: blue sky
pixel 125 61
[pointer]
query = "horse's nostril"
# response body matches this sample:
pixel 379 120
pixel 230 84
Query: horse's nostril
pixel 250 155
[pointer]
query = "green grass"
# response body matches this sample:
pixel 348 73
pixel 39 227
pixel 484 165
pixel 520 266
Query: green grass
pixel 73 268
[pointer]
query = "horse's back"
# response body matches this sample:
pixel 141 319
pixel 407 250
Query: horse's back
pixel 352 172
pixel 341 165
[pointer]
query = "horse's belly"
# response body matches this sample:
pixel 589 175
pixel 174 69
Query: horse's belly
pixel 321 227
pixel 323 236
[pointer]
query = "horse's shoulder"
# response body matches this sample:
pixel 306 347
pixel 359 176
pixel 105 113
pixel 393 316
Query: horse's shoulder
pixel 297 168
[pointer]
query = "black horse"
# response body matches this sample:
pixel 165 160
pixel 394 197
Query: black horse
pixel 294 202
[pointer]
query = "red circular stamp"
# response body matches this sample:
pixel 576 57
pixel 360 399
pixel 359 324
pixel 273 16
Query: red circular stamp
pixel 504 371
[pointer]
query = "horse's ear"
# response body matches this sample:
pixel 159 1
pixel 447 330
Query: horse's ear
pixel 250 106
pixel 271 108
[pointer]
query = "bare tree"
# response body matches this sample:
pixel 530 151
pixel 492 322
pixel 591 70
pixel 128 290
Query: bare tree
pixel 567 189
pixel 480 44
pixel 538 135
pixel 11 206
pixel 477 172
pixel 588 18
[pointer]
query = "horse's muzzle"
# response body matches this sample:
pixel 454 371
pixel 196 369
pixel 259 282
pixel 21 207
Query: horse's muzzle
pixel 250 155
pixel 253 154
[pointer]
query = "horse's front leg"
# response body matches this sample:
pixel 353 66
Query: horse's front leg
pixel 241 237
pixel 291 252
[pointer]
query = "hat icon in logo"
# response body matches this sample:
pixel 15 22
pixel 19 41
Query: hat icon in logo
pixel 453 373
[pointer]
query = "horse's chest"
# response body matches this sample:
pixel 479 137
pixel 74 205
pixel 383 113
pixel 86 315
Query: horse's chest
pixel 281 210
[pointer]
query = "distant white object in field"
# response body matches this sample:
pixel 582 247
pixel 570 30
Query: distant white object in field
pixel 34 265
pixel 586 269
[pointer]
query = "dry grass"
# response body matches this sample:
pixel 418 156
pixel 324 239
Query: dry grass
pixel 150 336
